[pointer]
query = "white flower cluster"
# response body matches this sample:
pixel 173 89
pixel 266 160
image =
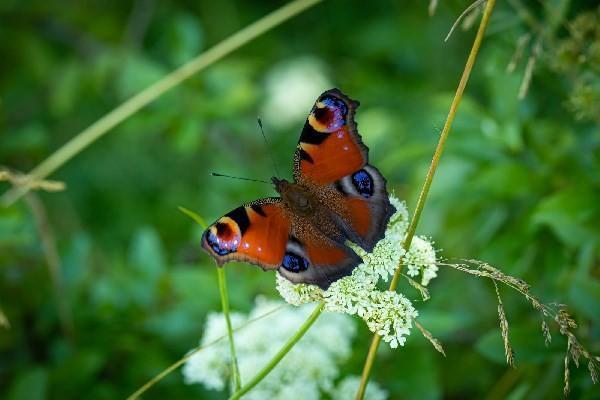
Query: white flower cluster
pixel 386 313
pixel 421 259
pixel 306 372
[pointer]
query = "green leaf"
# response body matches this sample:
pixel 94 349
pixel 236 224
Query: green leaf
pixel 572 215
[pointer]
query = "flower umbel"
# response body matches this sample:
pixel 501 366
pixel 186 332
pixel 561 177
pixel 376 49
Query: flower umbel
pixel 389 314
pixel 307 371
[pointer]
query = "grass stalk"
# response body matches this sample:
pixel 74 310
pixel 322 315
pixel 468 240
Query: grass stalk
pixel 281 353
pixel 427 184
pixel 190 354
pixel 152 92
pixel 235 371
pixel 50 251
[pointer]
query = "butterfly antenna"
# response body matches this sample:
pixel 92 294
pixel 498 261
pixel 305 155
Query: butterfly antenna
pixel 240 178
pixel 267 145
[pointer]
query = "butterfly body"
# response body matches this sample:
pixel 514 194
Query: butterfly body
pixel 296 197
pixel 336 197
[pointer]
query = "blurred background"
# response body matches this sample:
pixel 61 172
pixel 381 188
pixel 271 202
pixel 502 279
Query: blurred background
pixel 104 284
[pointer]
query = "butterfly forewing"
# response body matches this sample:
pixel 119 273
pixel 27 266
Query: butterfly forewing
pixel 256 232
pixel 330 146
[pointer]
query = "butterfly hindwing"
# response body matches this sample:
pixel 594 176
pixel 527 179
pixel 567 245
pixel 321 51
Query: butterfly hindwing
pixel 330 146
pixel 367 206
pixel 261 233
pixel 316 259
pixel 256 232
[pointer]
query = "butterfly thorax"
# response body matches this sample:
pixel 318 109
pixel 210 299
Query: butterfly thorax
pixel 309 215
pixel 298 198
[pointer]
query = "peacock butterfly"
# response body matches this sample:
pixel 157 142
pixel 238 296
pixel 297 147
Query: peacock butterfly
pixel 336 196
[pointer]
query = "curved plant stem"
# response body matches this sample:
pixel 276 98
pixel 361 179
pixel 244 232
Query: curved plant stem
pixel 154 91
pixel 182 360
pixel 281 353
pixel 235 371
pixel 50 251
pixel 427 184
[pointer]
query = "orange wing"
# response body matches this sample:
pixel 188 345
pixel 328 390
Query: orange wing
pixel 261 233
pixel 256 232
pixel 330 146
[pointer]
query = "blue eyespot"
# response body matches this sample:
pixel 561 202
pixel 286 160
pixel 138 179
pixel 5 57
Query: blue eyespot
pixel 333 115
pixel 363 183
pixel 294 263
pixel 336 104
pixel 220 247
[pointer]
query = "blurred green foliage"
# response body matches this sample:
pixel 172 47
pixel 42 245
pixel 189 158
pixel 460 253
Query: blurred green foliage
pixel 518 186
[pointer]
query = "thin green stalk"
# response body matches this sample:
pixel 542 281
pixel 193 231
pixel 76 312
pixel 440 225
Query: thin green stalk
pixel 281 353
pixel 235 371
pixel 198 349
pixel 154 91
pixel 50 251
pixel 427 184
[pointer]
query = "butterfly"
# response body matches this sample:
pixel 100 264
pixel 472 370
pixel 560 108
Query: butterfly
pixel 336 196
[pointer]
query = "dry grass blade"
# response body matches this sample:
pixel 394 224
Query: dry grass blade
pixel 557 312
pixel 593 368
pixel 567 385
pixel 48 241
pixel 463 15
pixel 422 289
pixel 18 179
pixel 521 44
pixel 575 348
pixel 470 19
pixel 434 342
pixel 508 351
pixel 524 88
pixel 546 333
pixel 130 107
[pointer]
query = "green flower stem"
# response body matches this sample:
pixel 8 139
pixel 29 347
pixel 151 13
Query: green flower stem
pixel 235 371
pixel 279 356
pixel 152 92
pixel 427 184
pixel 195 351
